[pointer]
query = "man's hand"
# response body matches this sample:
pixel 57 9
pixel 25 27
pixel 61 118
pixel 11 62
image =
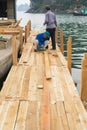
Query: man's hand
pixel 44 23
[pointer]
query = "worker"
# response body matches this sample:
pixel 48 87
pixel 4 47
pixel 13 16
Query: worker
pixel 51 23
pixel 41 41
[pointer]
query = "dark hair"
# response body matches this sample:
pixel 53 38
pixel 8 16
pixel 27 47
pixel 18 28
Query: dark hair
pixel 47 7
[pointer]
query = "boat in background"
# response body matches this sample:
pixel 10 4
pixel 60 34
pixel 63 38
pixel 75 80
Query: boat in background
pixel 82 12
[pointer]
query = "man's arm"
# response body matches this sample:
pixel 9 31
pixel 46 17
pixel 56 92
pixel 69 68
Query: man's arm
pixel 46 19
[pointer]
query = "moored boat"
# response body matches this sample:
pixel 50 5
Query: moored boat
pixel 82 12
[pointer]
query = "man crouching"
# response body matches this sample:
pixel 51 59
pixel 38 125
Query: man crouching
pixel 41 41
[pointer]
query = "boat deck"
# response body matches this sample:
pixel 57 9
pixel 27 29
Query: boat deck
pixel 39 94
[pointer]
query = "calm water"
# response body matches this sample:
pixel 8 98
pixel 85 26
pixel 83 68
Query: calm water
pixel 73 26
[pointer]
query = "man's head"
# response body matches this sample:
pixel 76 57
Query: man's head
pixel 47 34
pixel 47 8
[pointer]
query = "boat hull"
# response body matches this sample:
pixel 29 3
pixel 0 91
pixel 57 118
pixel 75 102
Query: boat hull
pixel 79 14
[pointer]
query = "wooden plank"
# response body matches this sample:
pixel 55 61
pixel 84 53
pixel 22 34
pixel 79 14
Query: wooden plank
pixel 45 118
pixel 10 75
pixel 53 98
pixel 39 58
pixel 40 76
pixel 59 63
pixel 62 59
pixel 24 54
pixel 6 85
pixel 40 85
pixel 62 115
pixel 76 120
pixel 25 84
pixel 15 86
pixel 31 122
pixel 39 107
pixel 70 85
pixel 47 66
pixel 22 116
pixel 57 83
pixel 61 81
pixel 82 114
pixel 76 115
pixel 32 60
pixel 52 58
pixel 19 86
pixel 24 92
pixel 70 117
pixel 32 92
pixel 54 122
pixel 3 112
pixel 58 122
pixel 28 54
pixel 27 57
pixel 10 116
pixel 11 31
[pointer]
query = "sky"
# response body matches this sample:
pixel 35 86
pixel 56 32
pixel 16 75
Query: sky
pixel 22 2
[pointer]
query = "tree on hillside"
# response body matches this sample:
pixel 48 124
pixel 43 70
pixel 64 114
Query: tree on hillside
pixel 57 4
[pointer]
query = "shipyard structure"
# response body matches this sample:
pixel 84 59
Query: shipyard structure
pixel 8 9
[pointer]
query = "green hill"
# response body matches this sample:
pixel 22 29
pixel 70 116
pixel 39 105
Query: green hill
pixel 56 5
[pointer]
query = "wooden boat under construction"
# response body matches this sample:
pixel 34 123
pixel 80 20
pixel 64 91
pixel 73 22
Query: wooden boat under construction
pixel 5 54
pixel 7 32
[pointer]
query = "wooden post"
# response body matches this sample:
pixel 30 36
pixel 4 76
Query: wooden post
pixel 14 45
pixel 21 39
pixel 29 25
pixel 56 35
pixel 26 34
pixel 83 91
pixel 27 30
pixel 69 53
pixel 61 41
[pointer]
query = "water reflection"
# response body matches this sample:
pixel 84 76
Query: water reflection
pixel 76 27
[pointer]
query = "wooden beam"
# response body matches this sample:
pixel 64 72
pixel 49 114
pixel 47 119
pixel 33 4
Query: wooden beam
pixel 69 53
pixel 22 116
pixel 45 118
pixel 61 41
pixel 14 51
pixel 83 91
pixel 47 66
